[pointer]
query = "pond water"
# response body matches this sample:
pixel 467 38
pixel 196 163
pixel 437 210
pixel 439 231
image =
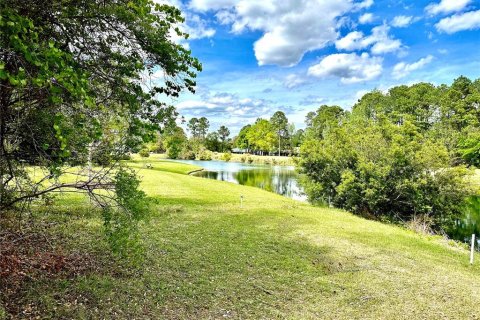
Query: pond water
pixel 279 179
pixel 469 223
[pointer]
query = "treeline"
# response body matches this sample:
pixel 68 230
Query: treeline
pixel 401 155
pixel 200 145
pixel 273 136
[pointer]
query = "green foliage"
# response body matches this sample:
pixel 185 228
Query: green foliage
pixel 261 136
pixel 469 222
pixel 223 133
pixel 175 140
pixel 279 124
pixel 379 168
pixel 122 217
pixel 204 154
pixel 227 156
pixel 144 153
pixel 469 147
pixel 198 127
pixel 57 103
pixel 212 142
pixel 241 140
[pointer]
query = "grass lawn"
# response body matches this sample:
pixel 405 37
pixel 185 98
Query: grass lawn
pixel 207 258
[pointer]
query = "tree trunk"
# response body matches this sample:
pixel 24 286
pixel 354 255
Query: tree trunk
pixel 279 145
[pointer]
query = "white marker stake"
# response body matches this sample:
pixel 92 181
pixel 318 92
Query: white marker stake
pixel 472 249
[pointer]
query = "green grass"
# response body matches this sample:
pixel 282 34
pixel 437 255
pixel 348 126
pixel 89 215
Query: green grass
pixel 207 258
pixel 156 162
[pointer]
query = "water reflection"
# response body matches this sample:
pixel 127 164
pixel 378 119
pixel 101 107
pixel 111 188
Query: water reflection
pixel 470 222
pixel 279 179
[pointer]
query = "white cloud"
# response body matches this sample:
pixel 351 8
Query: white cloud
pixel 350 68
pixel 352 41
pixel 292 80
pixel 225 17
pixel 402 21
pixel 364 4
pixel 196 27
pixel 380 41
pixel 223 106
pixel 447 6
pixel 361 93
pixel 290 28
pixel 403 69
pixel 365 18
pixel 459 22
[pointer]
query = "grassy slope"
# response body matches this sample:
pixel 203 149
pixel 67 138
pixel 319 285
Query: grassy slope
pixel 274 258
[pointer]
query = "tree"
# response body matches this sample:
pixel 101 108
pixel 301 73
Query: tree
pixel 279 123
pixel 324 119
pixel 68 70
pixel 241 140
pixel 203 125
pixel 174 139
pixel 297 138
pixel 198 127
pixel 193 127
pixel 212 142
pixel 223 133
pixel 261 136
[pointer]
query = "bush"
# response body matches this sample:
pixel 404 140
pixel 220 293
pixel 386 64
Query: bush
pixel 227 156
pixel 205 155
pixel 249 159
pixel 121 220
pixel 382 170
pixel 243 159
pixel 187 154
pixel 144 153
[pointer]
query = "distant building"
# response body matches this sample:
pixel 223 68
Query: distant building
pixel 238 150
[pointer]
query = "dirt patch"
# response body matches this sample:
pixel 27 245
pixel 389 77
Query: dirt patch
pixel 27 257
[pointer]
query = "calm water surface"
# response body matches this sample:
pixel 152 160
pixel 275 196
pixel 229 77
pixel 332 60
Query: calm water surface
pixel 284 181
pixel 279 179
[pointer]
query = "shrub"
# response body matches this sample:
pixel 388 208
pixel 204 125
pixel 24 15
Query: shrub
pixel 205 155
pixel 122 217
pixel 187 154
pixel 144 153
pixel 227 156
pixel 384 170
pixel 243 159
pixel 249 159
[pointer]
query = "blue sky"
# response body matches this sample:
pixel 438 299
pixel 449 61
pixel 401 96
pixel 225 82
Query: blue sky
pixel 295 55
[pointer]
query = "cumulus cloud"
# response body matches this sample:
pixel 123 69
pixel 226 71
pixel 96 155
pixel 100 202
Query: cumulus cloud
pixel 350 68
pixel 196 27
pixel 365 18
pixel 446 6
pixel 292 80
pixel 459 22
pixel 380 41
pixel 364 4
pixel 224 106
pixel 402 21
pixel 403 69
pixel 290 28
